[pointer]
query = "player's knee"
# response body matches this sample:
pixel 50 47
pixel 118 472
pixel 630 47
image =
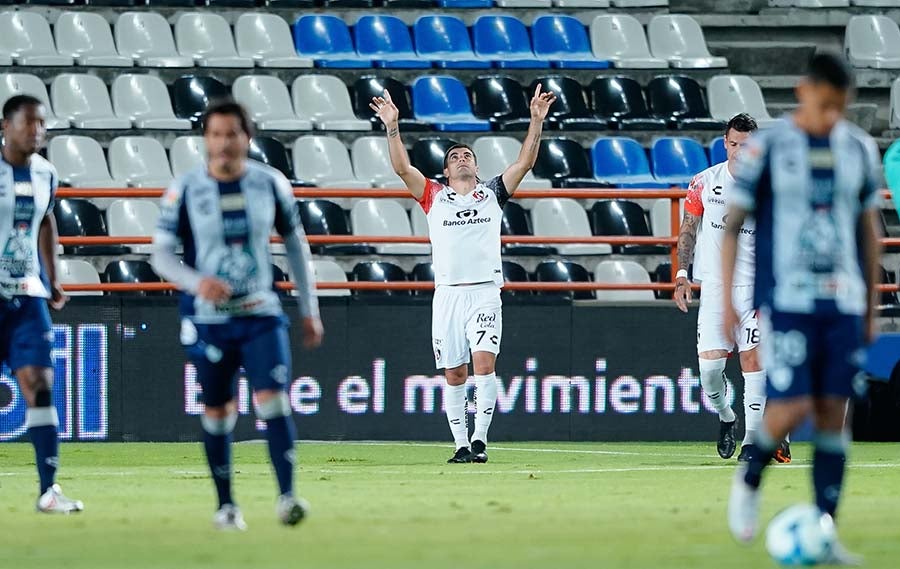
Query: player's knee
pixel 457 375
pixel 750 360
pixel 273 407
pixel 220 423
pixel 712 377
pixel 483 363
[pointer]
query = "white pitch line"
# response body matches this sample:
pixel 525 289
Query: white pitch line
pixel 513 449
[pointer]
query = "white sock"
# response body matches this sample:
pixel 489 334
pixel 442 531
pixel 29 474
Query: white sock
pixel 455 406
pixel 754 404
pixel 712 380
pixel 485 402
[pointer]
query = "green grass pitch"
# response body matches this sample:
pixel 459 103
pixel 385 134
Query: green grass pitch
pixel 398 505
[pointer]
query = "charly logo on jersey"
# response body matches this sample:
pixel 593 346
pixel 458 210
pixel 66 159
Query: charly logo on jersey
pixel 717 190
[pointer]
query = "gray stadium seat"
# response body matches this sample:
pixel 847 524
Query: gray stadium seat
pixel 419 221
pixel 596 4
pixel 385 217
pixel 876 3
pixel 620 38
pixel 679 40
pixel 144 100
pixel 84 101
pixel 729 95
pixel 147 38
pixel 139 160
pixel 372 162
pixel 329 272
pixel 207 38
pixel 622 272
pixel 661 217
pixel 872 41
pixel 186 153
pixel 132 218
pixel 809 3
pixel 266 38
pixel 26 37
pixel 77 271
pixel 23 83
pixel 495 154
pixel 325 162
pixel 523 3
pixel 87 38
pixel 267 100
pixel 324 100
pixel 638 3
pixel 80 162
pixel 564 217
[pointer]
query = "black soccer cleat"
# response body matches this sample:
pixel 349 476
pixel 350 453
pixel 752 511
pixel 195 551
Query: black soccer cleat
pixel 746 451
pixel 479 452
pixel 783 453
pixel 462 455
pixel 726 445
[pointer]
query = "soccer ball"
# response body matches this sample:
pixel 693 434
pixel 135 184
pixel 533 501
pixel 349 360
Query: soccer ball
pixel 800 535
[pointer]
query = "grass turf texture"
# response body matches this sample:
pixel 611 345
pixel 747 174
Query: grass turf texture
pixel 399 506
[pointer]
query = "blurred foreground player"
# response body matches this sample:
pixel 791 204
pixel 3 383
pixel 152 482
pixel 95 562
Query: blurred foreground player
pixel 27 281
pixel 464 225
pixel 812 184
pixel 223 214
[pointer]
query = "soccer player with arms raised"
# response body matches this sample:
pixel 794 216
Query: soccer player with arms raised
pixel 464 225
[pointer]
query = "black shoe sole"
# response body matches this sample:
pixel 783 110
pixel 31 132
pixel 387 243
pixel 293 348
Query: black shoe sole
pixel 480 458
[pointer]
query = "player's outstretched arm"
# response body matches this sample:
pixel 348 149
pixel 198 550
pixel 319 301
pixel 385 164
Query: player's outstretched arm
pixel 540 106
pixel 870 235
pixel 387 111
pixel 48 238
pixel 687 240
pixel 736 217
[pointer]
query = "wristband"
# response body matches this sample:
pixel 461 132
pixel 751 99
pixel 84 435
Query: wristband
pixel 681 274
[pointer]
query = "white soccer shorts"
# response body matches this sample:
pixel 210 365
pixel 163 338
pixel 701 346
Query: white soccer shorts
pixel 710 335
pixel 465 318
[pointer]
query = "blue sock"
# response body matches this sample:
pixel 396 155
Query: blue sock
pixel 42 423
pixel 760 456
pixel 217 443
pixel 829 459
pixel 280 435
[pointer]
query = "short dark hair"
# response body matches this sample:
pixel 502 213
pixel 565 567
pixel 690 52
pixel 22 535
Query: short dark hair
pixel 16 102
pixel 228 107
pixel 741 123
pixel 831 69
pixel 456 147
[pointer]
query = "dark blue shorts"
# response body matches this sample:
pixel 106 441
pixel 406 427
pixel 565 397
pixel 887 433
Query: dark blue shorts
pixel 259 344
pixel 26 335
pixel 814 355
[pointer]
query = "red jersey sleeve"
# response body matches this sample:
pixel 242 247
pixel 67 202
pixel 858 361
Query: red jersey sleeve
pixel 432 188
pixel 693 204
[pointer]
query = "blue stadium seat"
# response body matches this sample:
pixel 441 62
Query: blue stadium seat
pixel 326 39
pixel 443 101
pixel 504 40
pixel 677 159
pixel 465 3
pixel 622 161
pixel 386 40
pixel 445 41
pixel 564 41
pixel 717 152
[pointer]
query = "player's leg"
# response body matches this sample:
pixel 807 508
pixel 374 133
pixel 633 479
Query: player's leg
pixel 456 407
pixel 712 349
pixel 451 353
pixel 484 331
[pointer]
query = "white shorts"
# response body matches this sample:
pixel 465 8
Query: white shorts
pixel 465 318
pixel 711 336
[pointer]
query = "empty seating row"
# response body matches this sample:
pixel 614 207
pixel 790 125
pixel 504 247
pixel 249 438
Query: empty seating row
pixel 421 4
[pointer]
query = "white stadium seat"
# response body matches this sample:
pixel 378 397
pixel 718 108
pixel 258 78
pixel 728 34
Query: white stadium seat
pixel 324 161
pixel 622 272
pixel 496 153
pixel 324 100
pixel 87 38
pixel 661 217
pixel 679 40
pixel 144 100
pixel 809 3
pixel 876 3
pixel 638 3
pixel 25 84
pixel 267 100
pixel 207 38
pixel 139 160
pixel 132 218
pixel 523 3
pixel 564 217
pixel 385 217
pixel 26 38
pixel 872 41
pixel 266 38
pixel 76 271
pixel 80 162
pixel 419 221
pixel 620 39
pixel 597 4
pixel 372 162
pixel 84 101
pixel 186 153
pixel 146 37
pixel 329 272
pixel 729 95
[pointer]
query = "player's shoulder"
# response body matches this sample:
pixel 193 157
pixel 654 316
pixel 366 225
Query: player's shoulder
pixel 41 164
pixel 708 174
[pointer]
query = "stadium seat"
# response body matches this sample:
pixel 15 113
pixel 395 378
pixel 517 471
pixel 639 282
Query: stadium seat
pixel 372 162
pixel 515 222
pixel 442 100
pixel 876 3
pixel 83 100
pixel 322 217
pixel 570 110
pixel 81 218
pixel 419 221
pixel 663 274
pixel 80 162
pixel 385 218
pixel 291 3
pixel 267 40
pixel 278 276
pixel 187 153
pixel 501 100
pixel 678 39
pixel 328 271
pixel 369 86
pixel 133 218
pixel 324 100
pixel 146 37
pixel 596 4
pixel 504 40
pixel 677 159
pixel 268 102
pixel 386 41
pixel 565 163
pixel 620 102
pixel 809 3
pixel 622 161
pixel 638 3
pixel 26 38
pixel 514 273
pixel 420 4
pixel 523 3
pixel 622 272
pixel 563 272
pixel 423 272
pixel 495 154
pixel 139 160
pixel 143 99
pixel 428 156
pixel 730 95
pixel 382 272
pixel 564 41
pixel 679 101
pixel 717 151
pixel 445 41
pixel 326 40
pixel 272 153
pixel 465 3
pixel 325 162
pixel 888 298
pixel 87 38
pixel 661 217
pixel 23 83
pixel 77 271
pixel 620 39
pixel 895 104
pixel 349 3
pixel 206 37
pixel 132 272
pixel 872 41
pixel 624 218
pixel 564 217
pixel 192 94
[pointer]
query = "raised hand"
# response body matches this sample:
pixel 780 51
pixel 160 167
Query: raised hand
pixel 540 103
pixel 385 109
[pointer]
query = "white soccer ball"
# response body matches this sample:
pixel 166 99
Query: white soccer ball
pixel 800 535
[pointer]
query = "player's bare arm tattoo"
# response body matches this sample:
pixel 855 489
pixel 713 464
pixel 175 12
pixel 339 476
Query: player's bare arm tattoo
pixel 392 133
pixel 687 239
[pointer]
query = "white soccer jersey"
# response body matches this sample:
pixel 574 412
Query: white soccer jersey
pixel 465 232
pixel 708 198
